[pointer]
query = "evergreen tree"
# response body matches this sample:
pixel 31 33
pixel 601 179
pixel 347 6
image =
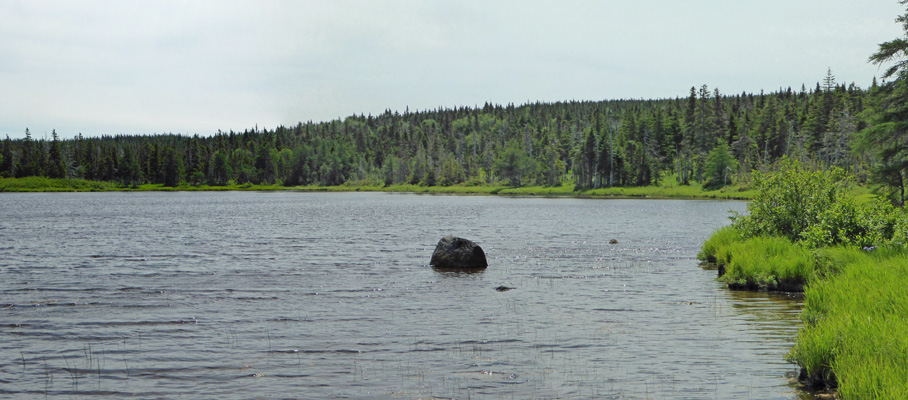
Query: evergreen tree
pixel 7 164
pixel 26 164
pixel 173 168
pixel 153 164
pixel 586 166
pixel 56 168
pixel 829 81
pixel 220 171
pixel 129 172
pixel 887 133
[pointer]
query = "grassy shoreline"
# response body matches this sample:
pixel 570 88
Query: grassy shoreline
pixel 666 191
pixel 855 312
pixel 849 254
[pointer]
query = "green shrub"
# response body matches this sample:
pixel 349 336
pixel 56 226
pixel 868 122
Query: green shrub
pixel 900 229
pixel 813 207
pixel 847 223
pixel 790 200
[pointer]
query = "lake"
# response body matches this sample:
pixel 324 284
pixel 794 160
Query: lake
pixel 328 295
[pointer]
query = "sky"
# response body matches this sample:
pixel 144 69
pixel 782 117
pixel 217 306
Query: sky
pixel 196 67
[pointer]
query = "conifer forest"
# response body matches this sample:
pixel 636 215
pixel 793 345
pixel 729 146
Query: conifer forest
pixel 707 136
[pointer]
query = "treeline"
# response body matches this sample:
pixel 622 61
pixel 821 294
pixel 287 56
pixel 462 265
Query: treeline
pixel 708 137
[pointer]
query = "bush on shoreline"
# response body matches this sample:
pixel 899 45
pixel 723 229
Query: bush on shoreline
pixel 790 200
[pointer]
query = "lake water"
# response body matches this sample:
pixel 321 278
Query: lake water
pixel 322 295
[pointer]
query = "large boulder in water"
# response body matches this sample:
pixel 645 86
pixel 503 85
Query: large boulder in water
pixel 458 253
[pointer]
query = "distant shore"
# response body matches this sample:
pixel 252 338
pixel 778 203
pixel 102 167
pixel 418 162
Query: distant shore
pixel 674 191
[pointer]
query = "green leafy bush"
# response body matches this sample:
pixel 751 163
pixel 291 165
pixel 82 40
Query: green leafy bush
pixel 720 166
pixel 814 208
pixel 790 200
pixel 847 223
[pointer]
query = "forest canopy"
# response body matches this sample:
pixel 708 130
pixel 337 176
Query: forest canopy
pixel 707 137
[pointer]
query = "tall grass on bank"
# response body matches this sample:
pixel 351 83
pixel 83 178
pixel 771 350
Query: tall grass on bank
pixel 719 239
pixel 759 263
pixel 42 184
pixel 855 333
pixel 765 263
pixel 693 191
pixel 855 330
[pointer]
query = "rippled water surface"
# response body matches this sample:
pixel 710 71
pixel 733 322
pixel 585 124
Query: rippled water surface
pixel 320 295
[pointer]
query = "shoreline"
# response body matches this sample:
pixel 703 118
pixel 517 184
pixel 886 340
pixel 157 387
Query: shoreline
pixel 656 192
pixel 832 346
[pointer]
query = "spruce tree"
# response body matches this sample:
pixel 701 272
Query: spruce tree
pixel 7 166
pixel 887 132
pixel 56 167
pixel 829 81
pixel 25 165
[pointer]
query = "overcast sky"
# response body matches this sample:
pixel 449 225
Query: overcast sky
pixel 147 67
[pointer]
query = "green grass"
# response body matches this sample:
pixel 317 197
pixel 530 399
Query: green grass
pixel 766 263
pixel 760 263
pixel 662 191
pixel 567 190
pixel 693 191
pixel 157 187
pixel 41 184
pixel 855 333
pixel 720 238
pixel 856 326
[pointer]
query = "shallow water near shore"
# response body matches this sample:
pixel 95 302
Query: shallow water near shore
pixel 328 295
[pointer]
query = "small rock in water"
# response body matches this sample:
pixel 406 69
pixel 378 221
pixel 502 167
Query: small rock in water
pixel 613 241
pixel 503 288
